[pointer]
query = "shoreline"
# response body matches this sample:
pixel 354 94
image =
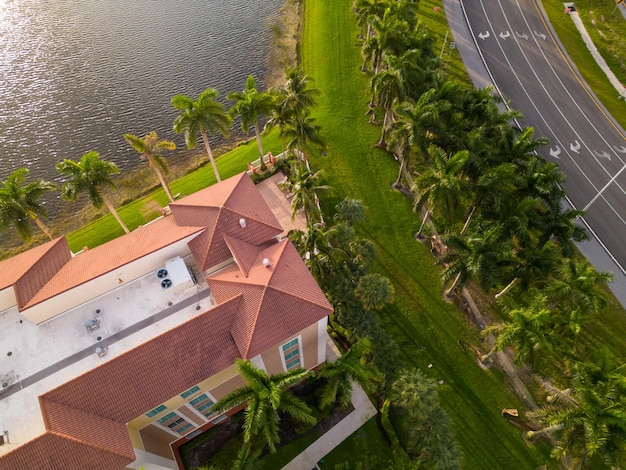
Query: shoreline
pixel 70 217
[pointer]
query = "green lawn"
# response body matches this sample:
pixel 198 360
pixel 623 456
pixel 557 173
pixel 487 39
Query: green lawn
pixel 421 322
pixel 608 31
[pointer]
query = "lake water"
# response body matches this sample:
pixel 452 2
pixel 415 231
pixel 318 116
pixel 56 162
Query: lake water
pixel 76 75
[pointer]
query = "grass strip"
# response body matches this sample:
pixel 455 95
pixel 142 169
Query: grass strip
pixel 420 321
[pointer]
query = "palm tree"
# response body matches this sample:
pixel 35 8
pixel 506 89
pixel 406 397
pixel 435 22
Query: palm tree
pixel 374 291
pixel 442 187
pixel 482 256
pixel 350 211
pixel 149 148
pixel 205 116
pixel 576 283
pixel 416 393
pixel 299 96
pixel 367 9
pixel 90 175
pixel 302 132
pixel 353 366
pixel 401 143
pixel 319 254
pixel 250 105
pixel 532 264
pixel 388 88
pixel 19 203
pixel 591 419
pixel 266 397
pixel 527 328
pixel 304 185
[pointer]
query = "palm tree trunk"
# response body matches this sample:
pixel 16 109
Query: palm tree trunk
pixel 507 288
pixel 162 181
pixel 42 227
pixel 486 357
pixel 540 432
pixel 115 214
pixel 450 291
pixel 259 143
pixel 419 233
pixel 207 146
pixel 468 220
pixel 397 183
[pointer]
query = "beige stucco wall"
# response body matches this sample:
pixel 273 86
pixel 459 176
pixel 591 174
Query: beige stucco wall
pixel 105 283
pixel 7 298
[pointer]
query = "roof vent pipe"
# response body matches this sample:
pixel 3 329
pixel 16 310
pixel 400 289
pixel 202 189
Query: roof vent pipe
pixel 266 262
pixel 242 222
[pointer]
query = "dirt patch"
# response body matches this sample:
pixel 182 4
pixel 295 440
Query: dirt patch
pixel 284 49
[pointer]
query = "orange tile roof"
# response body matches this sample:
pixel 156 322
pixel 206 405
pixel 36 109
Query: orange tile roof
pixel 219 208
pixel 244 253
pixel 105 258
pixel 277 301
pixel 87 416
pixel 52 451
pixel 12 269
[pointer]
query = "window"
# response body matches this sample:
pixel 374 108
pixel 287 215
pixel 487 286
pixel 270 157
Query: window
pixel 291 354
pixel 175 422
pixel 190 392
pixel 156 411
pixel 204 404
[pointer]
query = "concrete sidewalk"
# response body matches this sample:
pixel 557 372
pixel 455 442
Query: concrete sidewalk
pixel 594 51
pixel 363 410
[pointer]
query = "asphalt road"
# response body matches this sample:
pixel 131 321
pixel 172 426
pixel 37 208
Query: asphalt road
pixel 528 68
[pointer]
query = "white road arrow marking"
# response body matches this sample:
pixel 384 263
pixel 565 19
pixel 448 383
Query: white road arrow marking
pixel 575 146
pixel 621 149
pixel 555 152
pixel 522 36
pixel 540 35
pixel 505 34
pixel 484 35
pixel 603 154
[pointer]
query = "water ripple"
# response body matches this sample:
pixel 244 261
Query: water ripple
pixel 77 75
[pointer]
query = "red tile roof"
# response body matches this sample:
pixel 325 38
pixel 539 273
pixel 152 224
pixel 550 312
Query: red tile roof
pixel 52 451
pixel 12 269
pixel 92 410
pixel 105 258
pixel 277 301
pixel 220 208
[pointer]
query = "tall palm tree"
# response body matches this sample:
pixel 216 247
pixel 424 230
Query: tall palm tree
pixel 353 366
pixel 250 105
pixel 320 256
pixel 527 328
pixel 150 148
pixel 205 116
pixel 591 420
pixel 304 185
pixel 400 143
pixel 90 175
pixel 19 203
pixel 483 257
pixel 576 283
pixel 266 396
pixel 301 132
pixel 388 88
pixel 442 187
pixel 299 95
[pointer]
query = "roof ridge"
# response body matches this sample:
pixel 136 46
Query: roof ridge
pixel 241 175
pixel 63 435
